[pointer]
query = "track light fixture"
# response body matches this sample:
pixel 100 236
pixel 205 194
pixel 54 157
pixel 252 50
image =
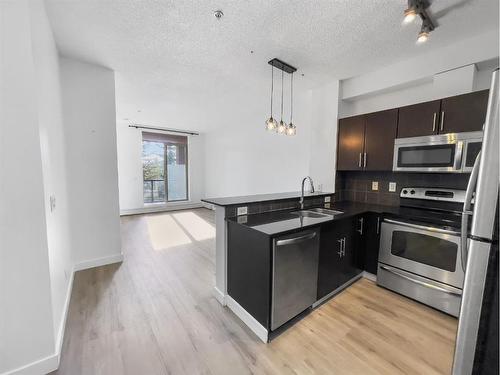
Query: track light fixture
pixel 271 124
pixel 423 35
pixel 418 8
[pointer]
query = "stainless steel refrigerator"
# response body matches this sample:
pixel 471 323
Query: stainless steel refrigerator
pixel 480 244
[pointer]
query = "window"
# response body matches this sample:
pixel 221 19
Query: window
pixel 164 166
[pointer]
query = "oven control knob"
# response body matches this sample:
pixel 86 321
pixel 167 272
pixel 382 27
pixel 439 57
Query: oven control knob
pixel 405 191
pixel 412 191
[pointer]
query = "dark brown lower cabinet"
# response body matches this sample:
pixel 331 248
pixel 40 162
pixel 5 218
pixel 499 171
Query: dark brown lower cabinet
pixel 370 241
pixel 337 255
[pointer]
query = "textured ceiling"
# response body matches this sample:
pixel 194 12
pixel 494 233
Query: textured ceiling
pixel 176 50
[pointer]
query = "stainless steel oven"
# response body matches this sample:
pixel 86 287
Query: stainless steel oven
pixel 422 262
pixel 454 152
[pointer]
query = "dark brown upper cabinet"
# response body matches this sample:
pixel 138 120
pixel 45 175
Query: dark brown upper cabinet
pixel 463 113
pixel 419 119
pixel 366 142
pixel 456 114
pixel 380 132
pixel 351 136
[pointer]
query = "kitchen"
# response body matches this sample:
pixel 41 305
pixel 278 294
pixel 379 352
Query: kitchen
pixel 249 187
pixel 283 255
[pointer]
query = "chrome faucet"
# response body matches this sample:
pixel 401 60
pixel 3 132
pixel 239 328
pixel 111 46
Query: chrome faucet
pixel 302 191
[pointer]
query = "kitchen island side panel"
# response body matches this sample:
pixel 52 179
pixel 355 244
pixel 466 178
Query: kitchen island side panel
pixel 249 270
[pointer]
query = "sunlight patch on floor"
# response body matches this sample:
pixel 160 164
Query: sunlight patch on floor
pixel 164 232
pixel 198 228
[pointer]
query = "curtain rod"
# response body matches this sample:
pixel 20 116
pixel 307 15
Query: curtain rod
pixel 137 126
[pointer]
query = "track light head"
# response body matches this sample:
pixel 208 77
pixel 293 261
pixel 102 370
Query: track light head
pixel 409 15
pixel 425 31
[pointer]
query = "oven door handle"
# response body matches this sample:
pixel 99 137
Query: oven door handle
pixel 423 283
pixel 422 227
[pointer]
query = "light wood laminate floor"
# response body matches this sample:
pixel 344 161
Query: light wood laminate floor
pixel 155 314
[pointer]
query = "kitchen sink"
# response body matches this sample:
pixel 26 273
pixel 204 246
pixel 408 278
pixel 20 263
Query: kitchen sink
pixel 309 213
pixel 326 211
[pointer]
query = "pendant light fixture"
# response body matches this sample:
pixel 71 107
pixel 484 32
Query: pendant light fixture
pixel 282 125
pixel 291 129
pixel 271 122
pixel 271 125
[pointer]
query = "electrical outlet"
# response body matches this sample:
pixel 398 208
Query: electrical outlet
pixel 392 187
pixel 242 210
pixel 320 187
pixel 328 199
pixel 327 205
pixel 374 185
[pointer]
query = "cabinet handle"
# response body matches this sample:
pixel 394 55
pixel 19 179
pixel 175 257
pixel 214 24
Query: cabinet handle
pixel 434 122
pixel 378 224
pixel 441 128
pixel 341 242
pixel 365 161
pixel 360 230
pixel 360 156
pixel 343 247
pixel 291 241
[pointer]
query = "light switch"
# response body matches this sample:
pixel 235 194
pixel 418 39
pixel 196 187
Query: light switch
pixel 374 185
pixel 392 187
pixel 242 210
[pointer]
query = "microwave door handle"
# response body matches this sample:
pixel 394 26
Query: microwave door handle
pixel 467 211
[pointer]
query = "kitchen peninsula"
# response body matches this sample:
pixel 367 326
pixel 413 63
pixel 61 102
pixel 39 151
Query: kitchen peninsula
pixel 246 228
pixel 251 204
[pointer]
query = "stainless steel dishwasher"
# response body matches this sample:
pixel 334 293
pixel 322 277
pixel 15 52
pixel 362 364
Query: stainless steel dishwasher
pixel 295 275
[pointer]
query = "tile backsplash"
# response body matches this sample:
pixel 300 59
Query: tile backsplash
pixel 357 186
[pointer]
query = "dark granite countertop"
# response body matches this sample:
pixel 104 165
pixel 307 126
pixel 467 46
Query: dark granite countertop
pixel 280 222
pixel 230 201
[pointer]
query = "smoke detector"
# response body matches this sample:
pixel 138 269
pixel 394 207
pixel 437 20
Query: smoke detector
pixel 219 14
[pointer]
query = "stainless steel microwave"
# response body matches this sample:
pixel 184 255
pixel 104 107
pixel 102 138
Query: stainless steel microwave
pixel 454 153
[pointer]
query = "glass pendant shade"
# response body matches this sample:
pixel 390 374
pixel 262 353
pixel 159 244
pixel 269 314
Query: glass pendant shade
pixel 282 127
pixel 271 124
pixel 291 129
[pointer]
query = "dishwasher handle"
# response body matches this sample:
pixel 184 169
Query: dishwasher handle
pixel 294 240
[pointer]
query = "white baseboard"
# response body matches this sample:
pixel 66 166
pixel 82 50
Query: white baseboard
pixel 98 262
pixel 62 326
pixel 51 363
pixel 369 276
pixel 210 206
pixel 248 319
pixel 41 366
pixel 160 208
pixel 219 296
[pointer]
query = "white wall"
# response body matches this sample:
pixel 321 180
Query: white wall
pixel 461 67
pixel 234 156
pixel 53 148
pixel 129 146
pixel 26 321
pixel 90 120
pixel 323 145
pixel 242 158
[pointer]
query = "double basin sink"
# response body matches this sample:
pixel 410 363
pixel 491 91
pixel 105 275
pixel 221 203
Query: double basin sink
pixel 316 213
